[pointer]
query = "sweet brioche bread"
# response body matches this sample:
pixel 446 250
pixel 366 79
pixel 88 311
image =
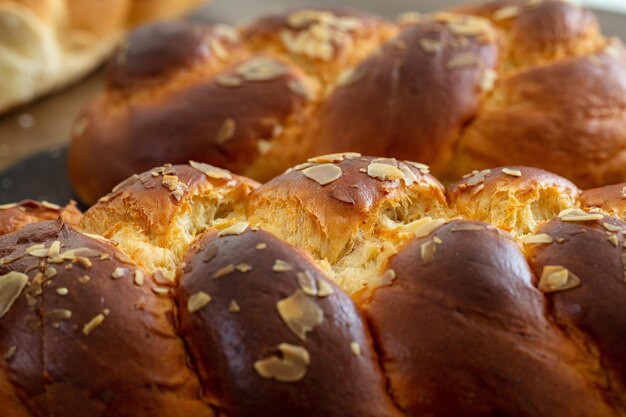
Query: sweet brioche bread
pixel 510 82
pixel 47 44
pixel 348 285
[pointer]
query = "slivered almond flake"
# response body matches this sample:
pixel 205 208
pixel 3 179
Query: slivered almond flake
pixel 138 279
pixel 557 278
pixel 334 157
pixel 290 367
pixel 261 69
pixel 512 172
pixel 427 251
pixel 431 45
pixel 55 249
pixel 624 192
pixel 211 171
pixel 243 268
pixel 11 286
pixel 505 13
pixel 263 146
pixel 300 313
pixel 578 215
pixel 384 172
pixel 409 177
pixel 119 272
pixel 299 89
pixel 8 206
pixel 281 266
pixel 198 301
pixel 467 227
pixel 228 269
pixel 50 205
pixel 355 348
pixel 478 189
pixel 233 307
pixel 388 161
pixel 93 324
pixel 228 81
pixel 307 283
pixel 463 60
pixel 614 240
pixel 538 238
pixel 383 280
pixel 488 80
pixel 611 227
pixel 235 229
pixel 62 291
pixel 226 131
pixel 323 174
pixel 10 353
pixel 300 167
pixel 218 49
pixel 261 246
pixel 421 227
pixel 160 290
pixel 423 168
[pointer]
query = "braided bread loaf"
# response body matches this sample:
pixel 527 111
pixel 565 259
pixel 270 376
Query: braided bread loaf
pixel 528 82
pixel 348 286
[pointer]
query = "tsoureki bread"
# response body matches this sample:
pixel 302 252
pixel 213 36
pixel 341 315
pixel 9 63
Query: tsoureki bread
pixel 512 82
pixel 48 44
pixel 348 286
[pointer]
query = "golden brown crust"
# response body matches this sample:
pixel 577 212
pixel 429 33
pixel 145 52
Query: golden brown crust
pixel 540 31
pixel 229 137
pixel 556 125
pixel 456 320
pixel 610 198
pixel 392 103
pixel 152 53
pixel 591 311
pixel 15 216
pixel 227 342
pixel 86 332
pixel 472 310
pixel 509 82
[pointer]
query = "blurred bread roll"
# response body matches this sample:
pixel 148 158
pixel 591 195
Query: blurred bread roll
pixel 48 44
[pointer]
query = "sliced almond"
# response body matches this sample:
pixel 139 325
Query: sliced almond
pixel 291 367
pixel 384 172
pixel 211 171
pixel 235 229
pixel 323 174
pixel 11 286
pixel 300 313
pixel 198 301
pixel 556 278
pixel 538 238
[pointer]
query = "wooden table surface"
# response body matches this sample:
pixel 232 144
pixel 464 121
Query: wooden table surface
pixel 46 123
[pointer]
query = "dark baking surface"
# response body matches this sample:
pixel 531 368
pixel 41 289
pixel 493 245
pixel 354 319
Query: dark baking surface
pixel 42 176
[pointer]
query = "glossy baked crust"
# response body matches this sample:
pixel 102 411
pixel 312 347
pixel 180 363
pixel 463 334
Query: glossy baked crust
pixel 348 285
pixel 510 82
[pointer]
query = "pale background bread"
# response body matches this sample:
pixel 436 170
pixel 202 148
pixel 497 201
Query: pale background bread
pixel 48 44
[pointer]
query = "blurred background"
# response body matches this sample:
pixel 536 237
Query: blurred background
pixel 45 124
